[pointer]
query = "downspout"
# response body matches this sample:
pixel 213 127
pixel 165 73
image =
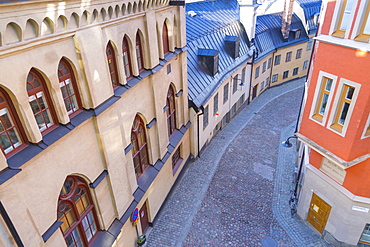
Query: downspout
pixel 272 66
pixel 198 139
pixel 251 77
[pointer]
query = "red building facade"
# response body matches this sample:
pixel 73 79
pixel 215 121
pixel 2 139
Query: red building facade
pixel 335 126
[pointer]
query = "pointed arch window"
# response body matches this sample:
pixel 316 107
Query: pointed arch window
pixel 166 47
pixel 67 84
pixel 139 53
pixel 126 58
pixel 40 102
pixel 171 111
pixel 11 133
pixel 77 212
pixel 112 65
pixel 140 146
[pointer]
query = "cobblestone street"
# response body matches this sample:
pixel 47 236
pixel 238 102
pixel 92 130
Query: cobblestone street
pixel 237 192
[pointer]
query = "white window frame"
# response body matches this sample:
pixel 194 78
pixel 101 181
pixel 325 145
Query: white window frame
pixel 320 80
pixel 336 18
pixel 365 129
pixel 334 109
pixel 364 7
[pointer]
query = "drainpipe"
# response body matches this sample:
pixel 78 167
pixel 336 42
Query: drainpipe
pixel 272 66
pixel 250 77
pixel 198 139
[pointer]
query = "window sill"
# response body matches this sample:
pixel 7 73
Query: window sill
pixel 337 127
pixel 318 117
pixel 363 38
pixel 339 34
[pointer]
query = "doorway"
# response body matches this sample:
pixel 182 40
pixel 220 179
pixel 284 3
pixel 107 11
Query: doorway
pixel 254 92
pixel 318 213
pixel 144 220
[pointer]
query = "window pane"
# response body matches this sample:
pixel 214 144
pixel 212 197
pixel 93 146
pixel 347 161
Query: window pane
pixel 343 114
pixel 367 26
pixel 63 89
pixel 328 84
pixel 5 142
pixel 77 237
pixel 34 105
pixel 42 103
pixel 350 92
pixel 46 115
pixel 346 15
pixel 325 98
pixel 14 137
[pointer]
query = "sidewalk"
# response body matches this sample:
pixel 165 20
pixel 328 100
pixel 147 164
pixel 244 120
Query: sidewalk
pixel 199 213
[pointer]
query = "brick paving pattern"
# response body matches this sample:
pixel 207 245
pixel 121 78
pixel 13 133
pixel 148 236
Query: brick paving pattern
pixel 237 192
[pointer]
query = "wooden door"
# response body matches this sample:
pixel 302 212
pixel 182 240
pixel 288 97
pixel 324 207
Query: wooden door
pixel 254 92
pixel 144 220
pixel 318 213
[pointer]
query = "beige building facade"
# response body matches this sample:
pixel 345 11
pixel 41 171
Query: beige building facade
pixel 94 116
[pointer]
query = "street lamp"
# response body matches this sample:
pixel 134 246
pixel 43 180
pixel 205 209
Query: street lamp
pixel 286 143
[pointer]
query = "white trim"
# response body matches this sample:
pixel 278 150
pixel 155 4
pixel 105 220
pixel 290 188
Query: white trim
pixel 334 110
pixel 360 19
pixel 336 15
pixel 366 125
pixel 357 45
pixel 320 78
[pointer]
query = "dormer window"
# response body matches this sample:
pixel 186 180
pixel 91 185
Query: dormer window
pixel 209 59
pixel 232 44
pixel 296 33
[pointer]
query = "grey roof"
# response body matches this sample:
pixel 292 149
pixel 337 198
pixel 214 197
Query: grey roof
pixel 214 20
pixel 269 37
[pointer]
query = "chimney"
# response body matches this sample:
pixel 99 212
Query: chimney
pixel 287 18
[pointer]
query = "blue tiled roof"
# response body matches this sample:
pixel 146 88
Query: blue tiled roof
pixel 214 20
pixel 269 37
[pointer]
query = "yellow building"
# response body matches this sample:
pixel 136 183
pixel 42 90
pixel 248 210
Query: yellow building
pixel 94 118
pixel 279 59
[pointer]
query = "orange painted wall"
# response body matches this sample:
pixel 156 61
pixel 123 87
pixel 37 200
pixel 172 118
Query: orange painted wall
pixel 325 26
pixel 329 58
pixel 357 178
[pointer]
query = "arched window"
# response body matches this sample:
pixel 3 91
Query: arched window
pixel 140 149
pixel 40 102
pixel 67 84
pixel 126 58
pixel 166 46
pixel 77 212
pixel 112 65
pixel 139 53
pixel 171 111
pixel 11 133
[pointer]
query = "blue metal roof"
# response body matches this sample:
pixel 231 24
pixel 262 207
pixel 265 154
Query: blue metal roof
pixel 208 29
pixel 311 8
pixel 269 37
pixel 210 17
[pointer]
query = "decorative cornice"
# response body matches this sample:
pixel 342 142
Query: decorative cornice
pixel 337 160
